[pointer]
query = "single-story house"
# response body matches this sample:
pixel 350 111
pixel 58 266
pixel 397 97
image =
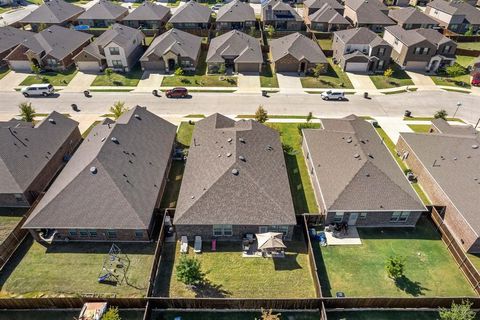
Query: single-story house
pixel 412 18
pixel 103 14
pixel 148 16
pixel 457 16
pixel 111 187
pixel 172 49
pixel 281 16
pixel 235 182
pixel 50 49
pixel 10 38
pixel 311 6
pixel 235 15
pixel 236 51
pixel 327 19
pixel 446 165
pixel 296 53
pixel 420 49
pixel 191 16
pixel 53 12
pixel 355 178
pixel 370 14
pixel 31 156
pixel 118 48
pixel 360 50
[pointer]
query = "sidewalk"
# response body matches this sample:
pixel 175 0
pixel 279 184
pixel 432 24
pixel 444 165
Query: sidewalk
pixel 12 80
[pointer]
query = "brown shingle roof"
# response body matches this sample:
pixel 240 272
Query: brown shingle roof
pixel 53 11
pixel 298 46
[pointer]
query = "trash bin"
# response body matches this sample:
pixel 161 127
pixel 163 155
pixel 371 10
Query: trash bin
pixel 86 93
pixel 407 113
pixel 155 93
pixel 365 95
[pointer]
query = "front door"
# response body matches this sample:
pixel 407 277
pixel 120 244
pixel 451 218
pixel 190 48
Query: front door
pixel 352 219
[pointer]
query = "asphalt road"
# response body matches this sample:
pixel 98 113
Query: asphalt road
pixel 421 103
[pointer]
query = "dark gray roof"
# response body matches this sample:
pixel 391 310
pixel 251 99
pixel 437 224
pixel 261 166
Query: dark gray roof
pixel 237 44
pixel 212 192
pixel 370 12
pixel 435 37
pixel 26 150
pixel 442 5
pixel 298 46
pixel 148 11
pixel 327 14
pixel 408 37
pixel 317 4
pixel 11 37
pixel 472 14
pixel 279 5
pixel 236 11
pixel 357 56
pixel 177 41
pixel 355 170
pixel 411 15
pixel 192 12
pixel 444 127
pixel 372 4
pixel 360 36
pixel 456 169
pixel 103 10
pixel 53 11
pixel 113 180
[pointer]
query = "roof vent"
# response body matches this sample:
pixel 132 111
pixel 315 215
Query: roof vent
pixel 241 140
pixel 114 140
pixel 475 146
pixel 229 154
pixel 370 155
pixel 235 172
pixel 349 140
pixel 455 158
pixel 51 120
pixel 229 139
pixel 356 156
pixel 93 170
pixel 137 116
pixel 103 139
pixel 241 158
pixel 367 175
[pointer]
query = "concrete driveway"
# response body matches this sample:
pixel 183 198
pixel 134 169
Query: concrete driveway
pixel 361 82
pixel 248 83
pixel 149 82
pixel 393 127
pixel 16 15
pixel 12 80
pixel 421 79
pixel 80 82
pixel 289 83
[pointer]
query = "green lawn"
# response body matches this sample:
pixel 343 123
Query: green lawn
pixel 399 79
pixel 128 79
pixel 334 78
pixel 359 271
pixel 230 315
pixel 460 81
pixel 7 224
pixel 268 78
pixel 4 72
pixel 5 9
pixel 172 190
pixel 184 134
pixel 465 61
pixel 420 127
pixel 383 315
pixel 231 275
pixel 72 269
pixel 430 119
pixel 54 78
pixel 274 116
pixel 325 44
pixel 469 45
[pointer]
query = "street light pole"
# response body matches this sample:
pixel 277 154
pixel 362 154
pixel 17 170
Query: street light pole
pixel 459 104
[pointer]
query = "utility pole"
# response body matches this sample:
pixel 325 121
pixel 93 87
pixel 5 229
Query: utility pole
pixel 459 104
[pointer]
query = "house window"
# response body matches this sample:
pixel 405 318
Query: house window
pixel 338 217
pixel 426 50
pixel 117 63
pixel 283 229
pixel 263 229
pixel 185 63
pixel 399 216
pixel 139 234
pixel 380 64
pixel 93 233
pixel 417 50
pixel 18 197
pixel 114 51
pixel 112 234
pixel 363 215
pixel 83 233
pixel 52 62
pixel 381 51
pixel 222 230
pixel 446 49
pixel 72 233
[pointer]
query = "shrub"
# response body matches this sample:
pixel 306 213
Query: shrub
pixel 189 271
pixel 395 267
pixel 179 72
pixel 456 70
pixel 388 73
pixel 306 125
pixel 118 109
pixel 111 314
pixel 441 114
pixel 320 69
pixel 261 115
pixel 185 81
pixel 460 311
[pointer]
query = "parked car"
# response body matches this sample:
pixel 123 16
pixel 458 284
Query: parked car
pixel 44 89
pixel 333 95
pixel 177 93
pixel 476 79
pixel 217 6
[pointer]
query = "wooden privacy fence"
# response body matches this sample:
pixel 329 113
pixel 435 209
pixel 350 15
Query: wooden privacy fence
pixel 467 52
pixel 157 257
pixel 311 259
pixel 69 303
pixel 400 303
pixel 234 303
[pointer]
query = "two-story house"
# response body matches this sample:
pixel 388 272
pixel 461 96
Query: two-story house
pixel 236 15
pixel 457 16
pixel 118 48
pixel 360 50
pixel 311 6
pixel 103 14
pixel 281 16
pixel 371 14
pixel 420 49
pixel 192 16
pixel 326 19
pixel 412 18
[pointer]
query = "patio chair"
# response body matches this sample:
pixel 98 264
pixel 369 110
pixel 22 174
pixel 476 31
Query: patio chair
pixel 198 244
pixel 184 244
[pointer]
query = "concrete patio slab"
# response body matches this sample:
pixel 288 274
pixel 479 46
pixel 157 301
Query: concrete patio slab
pixel 248 83
pixel 289 83
pixel 339 239
pixel 12 80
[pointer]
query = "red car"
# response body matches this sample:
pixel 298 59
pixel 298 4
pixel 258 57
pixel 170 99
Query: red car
pixel 177 93
pixel 476 80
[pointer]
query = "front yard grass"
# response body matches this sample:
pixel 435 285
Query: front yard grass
pixel 71 269
pixel 127 79
pixel 399 79
pixel 465 61
pixel 231 275
pixel 61 78
pixel 334 78
pixel 325 44
pixel 460 81
pixel 268 78
pixel 420 128
pixel 7 224
pixel 359 271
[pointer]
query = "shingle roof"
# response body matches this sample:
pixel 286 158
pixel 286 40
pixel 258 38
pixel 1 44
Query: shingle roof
pixel 355 170
pixel 11 37
pixel 442 5
pixel 456 169
pixel 113 180
pixel 370 12
pixel 53 11
pixel 408 37
pixel 357 4
pixel 192 12
pixel 236 11
pixel 460 130
pixel 298 46
pixel 178 42
pixel 148 11
pixel 26 150
pixel 235 43
pixel 472 14
pixel 360 36
pixel 317 4
pixel 327 14
pixel 258 193
pixel 279 5
pixel 411 16
pixel 103 10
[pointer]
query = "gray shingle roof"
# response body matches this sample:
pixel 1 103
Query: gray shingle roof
pixel 461 130
pixel 457 169
pixel 373 4
pixel 317 4
pixel 442 5
pixel 148 11
pixel 370 12
pixel 298 46
pixel 434 36
pixel 279 5
pixel 360 36
pixel 103 10
pixel 108 184
pixel 177 41
pixel 355 170
pixel 472 14
pixel 11 37
pixel 192 12
pixel 411 16
pixel 258 194
pixel 53 11
pixel 26 150
pixel 408 37
pixel 235 11
pixel 237 44
pixel 327 14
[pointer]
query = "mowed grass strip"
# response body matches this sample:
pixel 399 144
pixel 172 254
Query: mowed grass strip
pixel 61 78
pixel 420 128
pixel 7 224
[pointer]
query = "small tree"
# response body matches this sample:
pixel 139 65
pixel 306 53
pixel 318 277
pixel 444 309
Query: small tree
pixel 27 112
pixel 309 116
pixel 268 315
pixel 395 267
pixel 319 69
pixel 441 114
pixel 168 25
pixel 118 109
pixel 270 31
pixel 36 69
pixel 261 115
pixel 388 73
pixel 469 32
pixel 221 69
pixel 42 26
pixel 456 70
pixel 109 73
pixel 460 311
pixel 179 71
pixel 111 314
pixel 189 271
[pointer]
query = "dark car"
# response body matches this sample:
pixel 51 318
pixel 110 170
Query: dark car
pixel 177 93
pixel 476 79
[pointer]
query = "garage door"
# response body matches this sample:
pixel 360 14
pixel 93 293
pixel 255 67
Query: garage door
pixel 248 67
pixel 158 65
pixel 88 66
pixel 416 65
pixel 20 65
pixel 286 67
pixel 356 67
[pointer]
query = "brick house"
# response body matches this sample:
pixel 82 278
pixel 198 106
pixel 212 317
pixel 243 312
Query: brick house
pixel 281 16
pixel 236 15
pixel 148 16
pixel 103 14
pixel 192 16
pixel 53 12
pixel 457 16
pixel 369 14
pixel 10 38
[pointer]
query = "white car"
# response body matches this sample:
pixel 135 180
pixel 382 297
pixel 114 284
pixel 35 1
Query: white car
pixel 217 6
pixel 44 89
pixel 333 95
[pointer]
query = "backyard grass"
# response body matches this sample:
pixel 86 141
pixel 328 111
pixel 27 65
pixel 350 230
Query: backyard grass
pixel 469 45
pixel 170 197
pixel 54 78
pixel 198 115
pixel 72 269
pixel 231 275
pixel 334 78
pixel 399 79
pixel 460 81
pixel 421 128
pixel 465 61
pixel 325 44
pixel 184 134
pixel 7 224
pixel 359 271
pixel 268 78
pixel 4 72
pixel 230 315
pixel 127 79
pixel 383 315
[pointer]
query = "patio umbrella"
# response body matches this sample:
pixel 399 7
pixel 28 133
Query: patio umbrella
pixel 270 240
